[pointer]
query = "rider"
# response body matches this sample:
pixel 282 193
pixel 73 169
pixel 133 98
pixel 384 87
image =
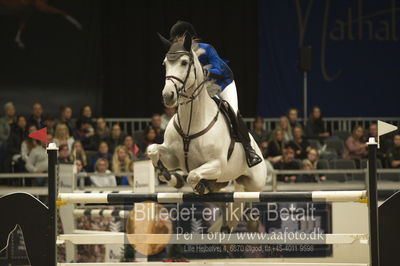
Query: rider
pixel 217 70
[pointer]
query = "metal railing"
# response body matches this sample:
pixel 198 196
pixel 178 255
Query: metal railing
pixel 22 175
pixel 332 124
pixel 274 185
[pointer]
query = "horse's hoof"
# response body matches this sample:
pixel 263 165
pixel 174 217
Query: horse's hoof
pixel 200 188
pixel 180 182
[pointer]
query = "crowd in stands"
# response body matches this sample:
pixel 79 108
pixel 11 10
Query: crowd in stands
pixel 86 141
pixel 95 147
pixel 293 145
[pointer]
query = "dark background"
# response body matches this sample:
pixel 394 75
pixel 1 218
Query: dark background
pixel 114 63
pixel 358 43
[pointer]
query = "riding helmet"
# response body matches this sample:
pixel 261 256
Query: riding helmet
pixel 180 28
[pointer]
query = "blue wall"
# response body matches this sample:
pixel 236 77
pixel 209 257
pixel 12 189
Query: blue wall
pixel 356 68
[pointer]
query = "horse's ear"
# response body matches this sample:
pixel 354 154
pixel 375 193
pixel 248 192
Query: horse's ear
pixel 165 42
pixel 187 44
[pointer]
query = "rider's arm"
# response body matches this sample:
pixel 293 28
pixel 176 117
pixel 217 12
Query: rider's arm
pixel 216 69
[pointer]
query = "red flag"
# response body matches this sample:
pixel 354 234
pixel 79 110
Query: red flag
pixel 40 134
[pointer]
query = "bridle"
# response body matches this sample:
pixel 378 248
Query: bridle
pixel 181 93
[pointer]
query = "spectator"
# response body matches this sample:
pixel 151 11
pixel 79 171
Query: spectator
pixel 275 146
pixel 78 152
pixel 156 124
pixel 49 123
pixel 79 166
pixel 355 147
pixel 79 169
pixel 131 147
pixel 102 131
pixel 28 144
pixel 300 145
pixel 50 138
pixel 166 116
pixel 307 165
pixel 61 136
pixel 36 118
pixel 85 115
pixel 286 129
pixel 120 164
pixel 17 136
pixel 9 111
pixel 287 163
pixel 260 134
pixel 293 117
pixel 85 134
pixel 66 118
pixel 63 154
pixel 102 152
pixel 394 152
pixel 149 138
pixel 373 131
pixel 38 162
pixel 313 157
pixel 315 128
pixel 6 123
pixel 116 137
pixel 101 167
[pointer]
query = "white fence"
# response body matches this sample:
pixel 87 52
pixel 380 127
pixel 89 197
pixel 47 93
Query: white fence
pixel 332 124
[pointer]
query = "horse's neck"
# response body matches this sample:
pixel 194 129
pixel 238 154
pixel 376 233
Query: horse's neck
pixel 203 111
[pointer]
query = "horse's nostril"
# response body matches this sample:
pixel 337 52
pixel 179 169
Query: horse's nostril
pixel 171 97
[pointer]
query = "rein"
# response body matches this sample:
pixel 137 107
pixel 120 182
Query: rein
pixel 181 92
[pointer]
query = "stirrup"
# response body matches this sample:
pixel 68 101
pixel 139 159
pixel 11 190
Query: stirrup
pixel 252 158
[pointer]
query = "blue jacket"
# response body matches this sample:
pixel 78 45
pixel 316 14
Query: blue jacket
pixel 219 70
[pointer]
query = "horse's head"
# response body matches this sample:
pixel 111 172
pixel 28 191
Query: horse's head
pixel 182 72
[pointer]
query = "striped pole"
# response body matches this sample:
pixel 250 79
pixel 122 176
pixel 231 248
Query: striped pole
pixel 179 197
pixel 101 212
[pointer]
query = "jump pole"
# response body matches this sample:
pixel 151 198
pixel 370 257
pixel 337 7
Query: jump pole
pixel 52 180
pixel 373 145
pixel 179 197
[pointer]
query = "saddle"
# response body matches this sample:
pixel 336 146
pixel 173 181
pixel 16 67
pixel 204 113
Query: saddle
pixel 230 118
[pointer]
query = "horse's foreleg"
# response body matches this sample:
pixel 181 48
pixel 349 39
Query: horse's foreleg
pixel 210 171
pixel 46 8
pixel 164 160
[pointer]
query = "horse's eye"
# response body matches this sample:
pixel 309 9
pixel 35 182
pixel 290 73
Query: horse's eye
pixel 184 63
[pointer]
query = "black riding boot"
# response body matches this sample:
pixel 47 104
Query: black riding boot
pixel 242 133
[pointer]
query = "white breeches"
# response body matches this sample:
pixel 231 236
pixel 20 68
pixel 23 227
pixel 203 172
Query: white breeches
pixel 229 94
